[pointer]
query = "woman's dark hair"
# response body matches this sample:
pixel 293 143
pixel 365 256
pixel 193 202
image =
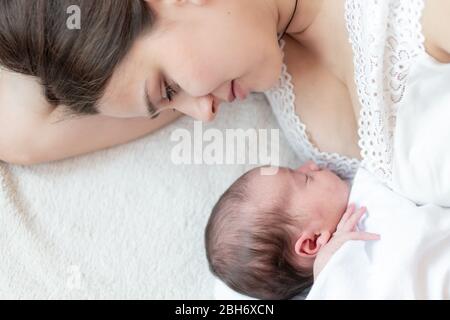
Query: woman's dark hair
pixel 73 65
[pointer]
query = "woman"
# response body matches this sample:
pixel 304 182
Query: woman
pixel 137 59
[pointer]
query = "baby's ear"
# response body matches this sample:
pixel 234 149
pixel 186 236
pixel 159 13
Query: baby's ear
pixel 306 245
pixel 309 244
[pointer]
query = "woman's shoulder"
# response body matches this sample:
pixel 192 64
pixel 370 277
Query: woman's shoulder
pixel 435 28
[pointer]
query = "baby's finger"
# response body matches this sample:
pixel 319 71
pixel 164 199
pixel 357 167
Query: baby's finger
pixel 346 215
pixel 364 236
pixel 354 219
pixel 348 212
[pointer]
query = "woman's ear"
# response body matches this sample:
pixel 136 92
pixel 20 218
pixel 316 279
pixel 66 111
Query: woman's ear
pixel 309 244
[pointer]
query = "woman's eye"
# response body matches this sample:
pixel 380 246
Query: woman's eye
pixel 170 92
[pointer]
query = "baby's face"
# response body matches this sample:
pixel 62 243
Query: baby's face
pixel 318 192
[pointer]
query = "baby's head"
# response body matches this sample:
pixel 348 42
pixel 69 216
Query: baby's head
pixel 265 231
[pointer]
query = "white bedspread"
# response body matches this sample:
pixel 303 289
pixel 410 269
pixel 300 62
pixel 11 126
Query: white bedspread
pixel 411 261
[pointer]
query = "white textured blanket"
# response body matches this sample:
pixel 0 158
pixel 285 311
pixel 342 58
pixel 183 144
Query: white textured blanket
pixel 411 261
pixel 125 223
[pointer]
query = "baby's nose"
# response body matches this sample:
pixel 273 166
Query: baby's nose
pixel 313 166
pixel 309 166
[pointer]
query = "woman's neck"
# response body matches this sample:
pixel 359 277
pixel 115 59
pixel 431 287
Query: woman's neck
pixel 305 16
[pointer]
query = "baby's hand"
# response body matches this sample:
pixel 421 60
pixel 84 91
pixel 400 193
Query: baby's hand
pixel 345 231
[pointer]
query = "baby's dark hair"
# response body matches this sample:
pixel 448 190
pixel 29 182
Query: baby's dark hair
pixel 251 248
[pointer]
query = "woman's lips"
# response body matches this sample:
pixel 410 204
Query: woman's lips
pixel 231 95
pixel 237 92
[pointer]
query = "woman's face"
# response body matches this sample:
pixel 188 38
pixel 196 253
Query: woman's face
pixel 197 47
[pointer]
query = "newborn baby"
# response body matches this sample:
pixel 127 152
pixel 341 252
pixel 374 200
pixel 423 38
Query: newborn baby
pixel 269 236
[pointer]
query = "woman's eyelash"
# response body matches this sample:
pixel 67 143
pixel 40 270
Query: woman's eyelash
pixel 170 91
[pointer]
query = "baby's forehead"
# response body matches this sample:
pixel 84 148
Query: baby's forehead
pixel 267 176
pixel 268 186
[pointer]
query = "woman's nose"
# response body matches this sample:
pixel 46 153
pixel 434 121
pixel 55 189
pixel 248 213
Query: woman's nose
pixel 204 108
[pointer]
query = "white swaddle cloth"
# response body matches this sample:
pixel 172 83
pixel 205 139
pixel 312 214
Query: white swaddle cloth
pixel 410 261
pixel 421 166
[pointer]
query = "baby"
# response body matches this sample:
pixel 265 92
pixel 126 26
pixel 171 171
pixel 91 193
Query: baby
pixel 268 236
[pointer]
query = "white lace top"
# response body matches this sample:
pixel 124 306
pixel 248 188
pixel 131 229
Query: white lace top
pixel 386 38
pixel 282 100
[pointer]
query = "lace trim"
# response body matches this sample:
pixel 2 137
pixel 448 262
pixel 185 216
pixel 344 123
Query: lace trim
pixel 386 37
pixel 282 99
